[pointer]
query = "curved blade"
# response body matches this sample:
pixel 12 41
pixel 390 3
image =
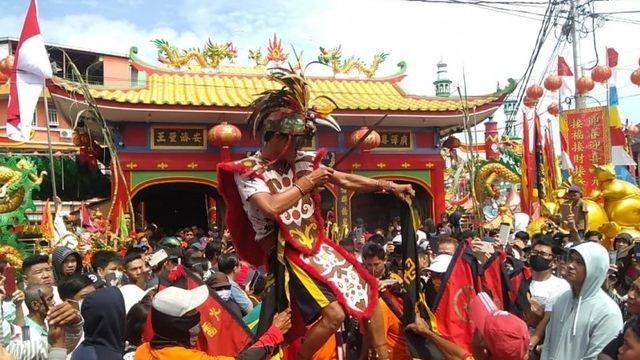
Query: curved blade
pixel 328 121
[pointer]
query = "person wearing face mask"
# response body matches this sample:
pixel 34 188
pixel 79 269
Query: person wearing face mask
pixel 219 282
pixel 544 287
pixel 176 325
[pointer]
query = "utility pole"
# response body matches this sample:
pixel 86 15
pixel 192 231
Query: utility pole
pixel 575 44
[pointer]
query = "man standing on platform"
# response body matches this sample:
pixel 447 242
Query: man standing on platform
pixel 272 201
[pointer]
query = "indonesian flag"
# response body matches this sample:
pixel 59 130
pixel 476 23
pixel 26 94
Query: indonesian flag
pixel 31 69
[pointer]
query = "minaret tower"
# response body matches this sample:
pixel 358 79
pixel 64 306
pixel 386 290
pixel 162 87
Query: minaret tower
pixel 442 84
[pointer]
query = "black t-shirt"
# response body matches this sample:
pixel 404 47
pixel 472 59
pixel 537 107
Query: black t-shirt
pixel 612 348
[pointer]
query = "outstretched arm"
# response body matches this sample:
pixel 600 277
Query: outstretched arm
pixel 364 184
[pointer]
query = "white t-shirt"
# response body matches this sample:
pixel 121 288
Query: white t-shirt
pixel 247 187
pixel 546 292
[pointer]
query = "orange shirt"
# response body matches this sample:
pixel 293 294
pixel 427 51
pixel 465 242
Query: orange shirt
pixel 394 332
pixel 145 352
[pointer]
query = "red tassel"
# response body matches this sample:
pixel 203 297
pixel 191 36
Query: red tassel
pixel 177 273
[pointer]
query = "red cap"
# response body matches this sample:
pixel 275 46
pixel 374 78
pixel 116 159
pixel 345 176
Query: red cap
pixel 506 335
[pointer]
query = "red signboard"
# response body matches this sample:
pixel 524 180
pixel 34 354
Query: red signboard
pixel 586 138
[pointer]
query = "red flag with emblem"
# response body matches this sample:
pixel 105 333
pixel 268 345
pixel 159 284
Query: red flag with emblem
pixel 494 279
pixel 459 287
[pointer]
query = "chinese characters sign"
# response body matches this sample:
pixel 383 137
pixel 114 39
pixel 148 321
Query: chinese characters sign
pixel 585 136
pixel 395 140
pixel 178 138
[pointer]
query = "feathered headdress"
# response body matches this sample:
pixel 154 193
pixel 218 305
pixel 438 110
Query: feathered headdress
pixel 289 110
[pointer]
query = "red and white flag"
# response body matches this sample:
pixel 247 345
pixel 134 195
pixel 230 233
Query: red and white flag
pixel 31 69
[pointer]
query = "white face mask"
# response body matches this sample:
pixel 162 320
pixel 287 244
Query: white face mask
pixel 224 294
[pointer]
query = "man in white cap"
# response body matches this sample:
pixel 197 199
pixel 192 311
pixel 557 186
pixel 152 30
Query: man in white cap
pixel 176 324
pixel 435 273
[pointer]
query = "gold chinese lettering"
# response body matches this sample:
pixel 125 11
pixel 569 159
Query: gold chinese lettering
pixel 209 329
pixel 595 158
pixel 173 136
pixel 160 137
pixel 384 139
pixel 578 158
pixel 184 137
pixel 404 140
pixel 394 139
pixel 197 137
pixel 577 135
pixel 577 147
pixel 594 134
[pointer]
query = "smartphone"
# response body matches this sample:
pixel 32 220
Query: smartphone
pixel 10 280
pixel 359 232
pixel 613 256
pixel 504 233
pixel 254 278
pixel 636 251
pixel 565 210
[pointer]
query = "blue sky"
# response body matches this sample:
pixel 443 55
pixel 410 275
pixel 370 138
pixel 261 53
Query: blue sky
pixel 489 46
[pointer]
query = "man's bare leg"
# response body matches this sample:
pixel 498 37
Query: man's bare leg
pixel 331 318
pixel 374 330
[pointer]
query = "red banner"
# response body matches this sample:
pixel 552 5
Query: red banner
pixel 586 133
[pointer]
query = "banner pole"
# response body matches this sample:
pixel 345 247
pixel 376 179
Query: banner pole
pixel 53 174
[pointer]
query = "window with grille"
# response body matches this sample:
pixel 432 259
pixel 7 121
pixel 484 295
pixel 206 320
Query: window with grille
pixel 34 121
pixel 53 117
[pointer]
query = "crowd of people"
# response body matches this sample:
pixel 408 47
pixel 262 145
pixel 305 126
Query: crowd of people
pixel 576 300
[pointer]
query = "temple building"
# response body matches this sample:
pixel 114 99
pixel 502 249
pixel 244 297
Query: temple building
pixel 174 122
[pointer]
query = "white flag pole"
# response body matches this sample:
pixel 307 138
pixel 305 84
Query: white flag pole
pixel 53 174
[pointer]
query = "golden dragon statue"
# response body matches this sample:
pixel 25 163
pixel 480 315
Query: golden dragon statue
pixel 18 179
pixel 195 59
pixel 333 58
pixel 275 53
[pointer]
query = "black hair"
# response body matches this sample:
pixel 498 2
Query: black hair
pixel 70 285
pixel 102 258
pixel 591 233
pixel 213 249
pixel 259 285
pixel 522 235
pixel 135 322
pixel 371 250
pixel 227 262
pixel 378 239
pixel 634 325
pixel 132 256
pixel 347 244
pixel 34 260
pixel 268 135
pixel 545 240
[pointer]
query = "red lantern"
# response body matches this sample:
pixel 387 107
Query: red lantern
pixel 81 139
pixel 635 77
pixel 601 73
pixel 224 134
pixel 530 103
pixel 371 142
pixel 553 109
pixel 535 92
pixel 6 65
pixel 553 83
pixel 585 84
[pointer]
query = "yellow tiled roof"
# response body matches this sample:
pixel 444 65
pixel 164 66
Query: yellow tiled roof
pixel 240 90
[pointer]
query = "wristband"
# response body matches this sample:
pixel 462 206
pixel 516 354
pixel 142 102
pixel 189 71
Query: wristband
pixel 302 193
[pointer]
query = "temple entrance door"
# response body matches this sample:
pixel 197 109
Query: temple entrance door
pixel 379 210
pixel 173 206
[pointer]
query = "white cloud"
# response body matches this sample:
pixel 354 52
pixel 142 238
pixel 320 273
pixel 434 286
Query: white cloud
pixel 490 47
